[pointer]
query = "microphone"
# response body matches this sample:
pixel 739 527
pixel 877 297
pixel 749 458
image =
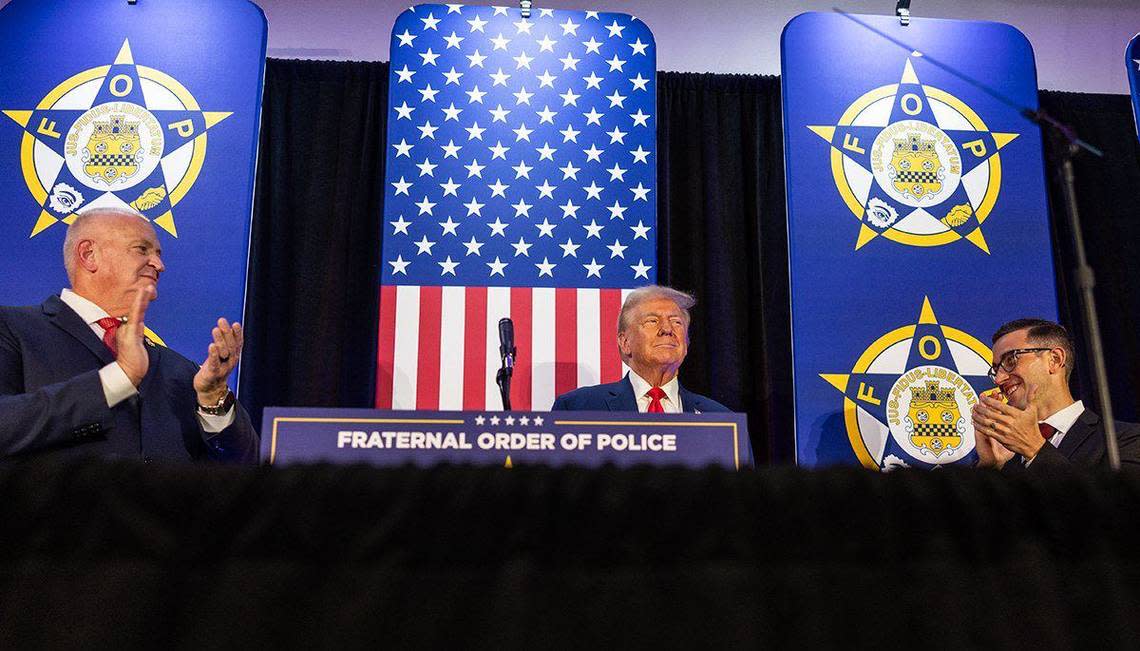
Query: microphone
pixel 507 353
pixel 507 342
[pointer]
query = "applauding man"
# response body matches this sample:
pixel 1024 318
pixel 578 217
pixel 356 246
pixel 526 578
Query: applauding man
pixel 1041 427
pixel 78 375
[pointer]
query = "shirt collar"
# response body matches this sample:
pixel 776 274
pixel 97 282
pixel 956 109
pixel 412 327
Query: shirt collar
pixel 1064 419
pixel 88 311
pixel 641 387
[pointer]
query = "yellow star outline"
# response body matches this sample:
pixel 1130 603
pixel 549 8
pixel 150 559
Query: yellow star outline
pixel 45 131
pixel 842 150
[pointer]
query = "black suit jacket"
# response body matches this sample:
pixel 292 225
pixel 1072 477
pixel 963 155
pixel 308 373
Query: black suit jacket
pixel 52 401
pixel 1083 447
pixel 618 396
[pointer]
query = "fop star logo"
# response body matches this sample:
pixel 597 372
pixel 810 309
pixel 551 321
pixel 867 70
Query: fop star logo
pixel 915 164
pixel 122 135
pixel 907 399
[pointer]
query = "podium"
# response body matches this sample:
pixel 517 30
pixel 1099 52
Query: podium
pixel 580 438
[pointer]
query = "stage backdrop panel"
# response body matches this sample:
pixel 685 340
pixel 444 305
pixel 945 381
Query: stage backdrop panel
pixel 521 182
pixel 153 106
pixel 917 224
pixel 1132 62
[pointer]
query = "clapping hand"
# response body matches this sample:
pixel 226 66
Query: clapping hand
pixel 1015 430
pixel 131 351
pixel 221 359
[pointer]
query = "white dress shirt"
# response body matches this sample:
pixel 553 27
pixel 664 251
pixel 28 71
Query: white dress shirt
pixel 1063 421
pixel 671 402
pixel 117 387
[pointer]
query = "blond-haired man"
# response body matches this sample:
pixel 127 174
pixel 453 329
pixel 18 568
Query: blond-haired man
pixel 653 337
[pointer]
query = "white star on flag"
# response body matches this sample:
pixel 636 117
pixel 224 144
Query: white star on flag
pixel 473 246
pixel 401 186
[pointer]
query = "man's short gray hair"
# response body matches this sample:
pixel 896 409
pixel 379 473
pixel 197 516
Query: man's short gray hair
pixel 75 232
pixel 649 293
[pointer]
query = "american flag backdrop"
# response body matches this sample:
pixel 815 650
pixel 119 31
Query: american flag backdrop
pixel 521 182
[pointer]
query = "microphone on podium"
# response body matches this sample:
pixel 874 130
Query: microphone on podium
pixel 507 342
pixel 507 353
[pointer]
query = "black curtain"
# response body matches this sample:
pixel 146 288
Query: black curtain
pixel 723 235
pixel 312 308
pixel 1108 194
pixel 313 295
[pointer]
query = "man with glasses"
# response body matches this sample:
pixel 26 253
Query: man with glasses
pixel 1040 423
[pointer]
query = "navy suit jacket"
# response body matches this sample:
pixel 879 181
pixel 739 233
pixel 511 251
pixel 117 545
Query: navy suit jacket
pixel 52 401
pixel 618 396
pixel 1083 447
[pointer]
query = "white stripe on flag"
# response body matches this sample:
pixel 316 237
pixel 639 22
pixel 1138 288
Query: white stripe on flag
pixel 624 295
pixel 542 347
pixel 589 345
pixel 407 346
pixel 453 310
pixel 498 307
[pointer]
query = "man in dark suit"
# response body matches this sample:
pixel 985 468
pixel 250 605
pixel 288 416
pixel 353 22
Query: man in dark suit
pixel 78 376
pixel 1041 429
pixel 653 337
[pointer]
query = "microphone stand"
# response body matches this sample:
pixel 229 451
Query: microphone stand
pixel 1065 136
pixel 503 379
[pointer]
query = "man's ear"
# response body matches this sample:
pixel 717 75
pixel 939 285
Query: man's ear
pixel 1057 360
pixel 623 345
pixel 87 255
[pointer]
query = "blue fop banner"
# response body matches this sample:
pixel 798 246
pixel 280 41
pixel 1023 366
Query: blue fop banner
pixel 1132 61
pixel 153 106
pixel 917 223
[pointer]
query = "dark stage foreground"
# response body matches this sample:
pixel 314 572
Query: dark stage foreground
pixel 122 555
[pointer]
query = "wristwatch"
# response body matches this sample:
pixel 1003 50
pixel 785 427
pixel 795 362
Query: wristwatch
pixel 220 407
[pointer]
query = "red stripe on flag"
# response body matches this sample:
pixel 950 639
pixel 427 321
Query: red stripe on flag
pixel 611 359
pixel 521 301
pixel 427 373
pixel 475 349
pixel 565 340
pixel 386 347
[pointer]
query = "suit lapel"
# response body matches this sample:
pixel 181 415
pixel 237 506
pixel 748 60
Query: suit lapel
pixel 1086 424
pixel 153 353
pixel 621 396
pixel 65 318
pixel 688 400
pixel 148 419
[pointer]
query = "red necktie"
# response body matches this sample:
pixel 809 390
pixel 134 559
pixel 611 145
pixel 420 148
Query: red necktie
pixel 110 325
pixel 1047 430
pixel 656 394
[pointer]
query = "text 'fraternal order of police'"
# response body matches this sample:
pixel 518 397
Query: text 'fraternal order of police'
pixel 412 440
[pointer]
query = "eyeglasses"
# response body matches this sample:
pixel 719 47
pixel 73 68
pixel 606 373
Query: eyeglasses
pixel 1008 361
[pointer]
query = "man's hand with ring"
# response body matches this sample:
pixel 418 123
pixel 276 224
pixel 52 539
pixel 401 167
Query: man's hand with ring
pixel 1013 429
pixel 221 359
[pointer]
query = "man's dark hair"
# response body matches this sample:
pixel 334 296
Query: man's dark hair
pixel 1043 331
